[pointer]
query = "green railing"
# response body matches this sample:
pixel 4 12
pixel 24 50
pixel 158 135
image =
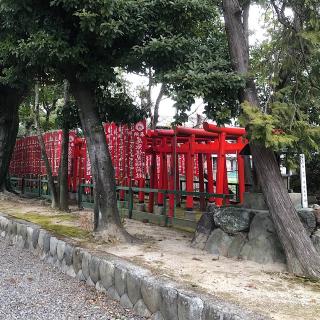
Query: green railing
pixel 31 186
pixel 132 209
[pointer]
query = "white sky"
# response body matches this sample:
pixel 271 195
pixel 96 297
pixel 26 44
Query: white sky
pixel 166 110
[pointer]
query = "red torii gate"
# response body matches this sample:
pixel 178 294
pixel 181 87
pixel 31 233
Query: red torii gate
pixel 193 143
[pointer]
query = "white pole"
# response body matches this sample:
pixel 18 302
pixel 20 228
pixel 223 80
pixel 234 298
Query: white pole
pixel 303 179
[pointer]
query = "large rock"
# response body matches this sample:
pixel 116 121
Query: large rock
pixel 263 245
pixel 316 240
pixel 317 216
pixel 218 242
pixel 236 245
pixel 204 227
pixel 308 219
pixel 233 219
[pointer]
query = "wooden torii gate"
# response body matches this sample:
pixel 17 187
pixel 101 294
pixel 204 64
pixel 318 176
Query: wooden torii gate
pixel 197 147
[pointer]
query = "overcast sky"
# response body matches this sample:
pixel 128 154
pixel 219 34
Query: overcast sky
pixel 167 112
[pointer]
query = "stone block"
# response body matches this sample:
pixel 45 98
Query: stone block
pixel 29 237
pixel 46 243
pixel 80 276
pixel 233 219
pixel 90 283
pixel 22 231
pixel 12 228
pixel 35 237
pixel 141 309
pixel 158 210
pixel 134 286
pixel 85 264
pixel 60 249
pixel 120 280
pixel 41 237
pixel 77 259
pixel 218 243
pixel 106 270
pixel 190 215
pixel 157 316
pixel 189 307
pixel 126 302
pixel 68 254
pixel 94 269
pixel 53 246
pixel 100 287
pixel 151 293
pixel 169 303
pixel 141 207
pixel 112 292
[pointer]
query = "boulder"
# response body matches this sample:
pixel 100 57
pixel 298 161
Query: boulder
pixel 317 216
pixel 233 219
pixel 316 240
pixel 203 230
pixel 264 245
pixel 236 245
pixel 218 242
pixel 308 219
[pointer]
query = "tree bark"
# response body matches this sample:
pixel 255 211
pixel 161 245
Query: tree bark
pixel 9 125
pixel 301 255
pixel 52 188
pixel 109 224
pixel 155 119
pixel 64 192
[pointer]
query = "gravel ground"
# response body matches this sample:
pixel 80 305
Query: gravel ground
pixel 31 289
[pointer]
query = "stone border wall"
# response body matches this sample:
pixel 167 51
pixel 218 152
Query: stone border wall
pixel 134 287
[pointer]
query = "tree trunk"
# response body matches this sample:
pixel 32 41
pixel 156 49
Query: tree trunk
pixel 155 119
pixel 63 179
pixel 9 125
pixel 109 224
pixel 52 188
pixel 301 255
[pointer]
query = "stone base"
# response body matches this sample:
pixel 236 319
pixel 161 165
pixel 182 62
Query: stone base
pixel 255 200
pixel 141 207
pixel 158 210
pixel 190 215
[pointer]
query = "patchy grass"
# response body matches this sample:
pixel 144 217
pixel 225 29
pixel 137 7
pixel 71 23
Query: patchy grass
pixel 51 223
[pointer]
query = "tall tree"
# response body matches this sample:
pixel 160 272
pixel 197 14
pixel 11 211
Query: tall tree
pixel 36 116
pixel 84 42
pixel 302 257
pixel 10 98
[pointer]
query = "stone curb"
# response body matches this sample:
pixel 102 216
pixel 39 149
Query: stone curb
pixel 134 287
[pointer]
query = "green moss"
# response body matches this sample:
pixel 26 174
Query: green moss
pixel 49 223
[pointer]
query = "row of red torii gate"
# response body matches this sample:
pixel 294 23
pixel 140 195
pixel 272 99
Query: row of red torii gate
pixel 158 159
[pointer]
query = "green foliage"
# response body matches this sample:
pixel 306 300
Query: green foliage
pixel 281 129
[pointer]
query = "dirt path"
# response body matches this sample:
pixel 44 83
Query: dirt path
pixel 264 288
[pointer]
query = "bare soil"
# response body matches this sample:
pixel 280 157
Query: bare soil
pixel 267 289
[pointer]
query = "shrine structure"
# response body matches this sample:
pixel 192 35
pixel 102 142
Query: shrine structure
pixel 164 159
